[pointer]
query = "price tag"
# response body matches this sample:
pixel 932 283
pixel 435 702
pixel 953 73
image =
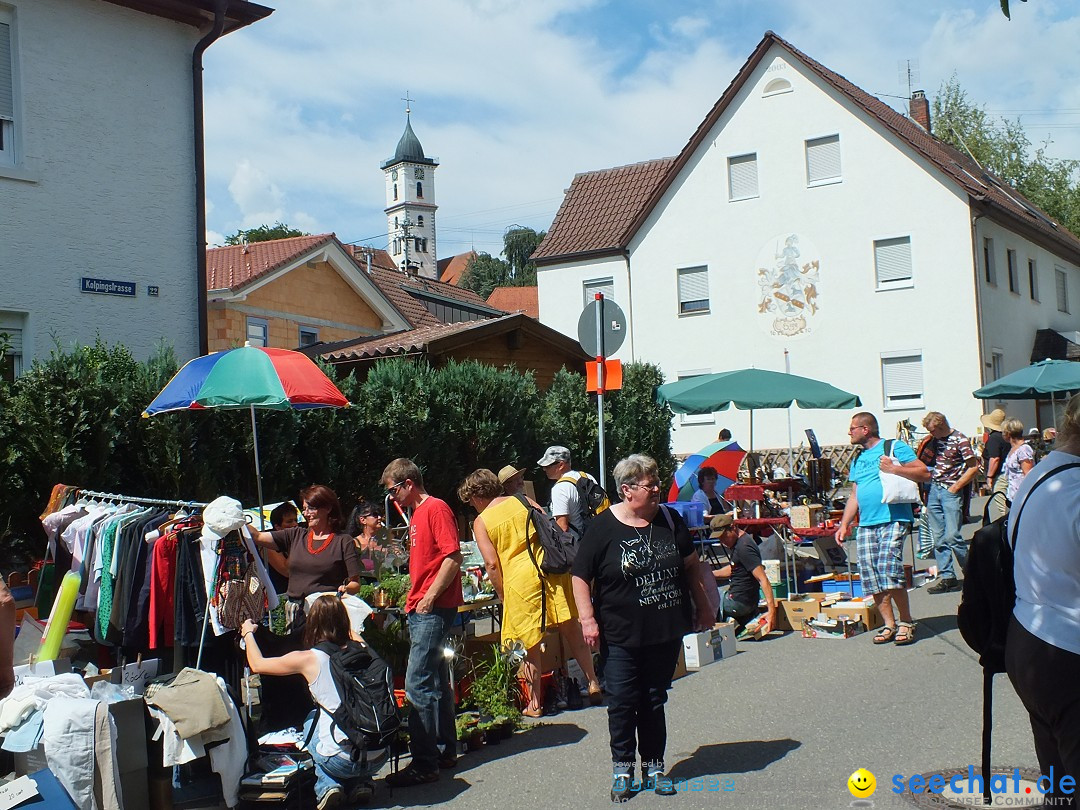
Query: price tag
pixel 17 791
pixel 136 675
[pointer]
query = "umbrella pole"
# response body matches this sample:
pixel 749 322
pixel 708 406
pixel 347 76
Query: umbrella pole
pixel 258 468
pixel 751 430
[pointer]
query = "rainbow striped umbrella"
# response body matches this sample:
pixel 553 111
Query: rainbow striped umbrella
pixel 248 377
pixel 724 457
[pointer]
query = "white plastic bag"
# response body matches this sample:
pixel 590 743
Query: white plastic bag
pixel 897 489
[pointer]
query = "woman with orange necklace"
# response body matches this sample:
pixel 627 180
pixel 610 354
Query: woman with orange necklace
pixel 321 556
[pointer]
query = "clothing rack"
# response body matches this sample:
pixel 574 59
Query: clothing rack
pixel 112 496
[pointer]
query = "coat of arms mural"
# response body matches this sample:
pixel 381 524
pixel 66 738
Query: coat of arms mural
pixel 788 277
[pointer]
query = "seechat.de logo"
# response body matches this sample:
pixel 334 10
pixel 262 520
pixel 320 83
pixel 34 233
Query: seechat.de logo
pixel 862 784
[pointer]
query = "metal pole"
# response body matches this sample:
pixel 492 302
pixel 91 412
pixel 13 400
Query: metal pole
pixel 790 459
pixel 600 384
pixel 258 469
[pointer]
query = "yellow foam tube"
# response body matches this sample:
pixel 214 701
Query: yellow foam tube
pixel 59 617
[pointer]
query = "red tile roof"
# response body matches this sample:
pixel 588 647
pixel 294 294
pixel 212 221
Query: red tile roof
pixel 599 217
pixel 452 268
pixel 598 208
pixel 233 266
pixel 516 299
pixel 402 291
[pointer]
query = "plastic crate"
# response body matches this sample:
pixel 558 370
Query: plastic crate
pixel 693 513
pixel 843 586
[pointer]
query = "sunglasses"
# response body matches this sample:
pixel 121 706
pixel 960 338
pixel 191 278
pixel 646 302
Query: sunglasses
pixel 393 488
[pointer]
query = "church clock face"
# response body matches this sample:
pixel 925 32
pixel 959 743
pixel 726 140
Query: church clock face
pixel 393 174
pixel 418 173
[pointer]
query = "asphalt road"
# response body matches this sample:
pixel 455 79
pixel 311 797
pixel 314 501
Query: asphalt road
pixel 782 724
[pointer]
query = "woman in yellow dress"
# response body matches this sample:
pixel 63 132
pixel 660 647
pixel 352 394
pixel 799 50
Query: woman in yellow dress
pixel 501 531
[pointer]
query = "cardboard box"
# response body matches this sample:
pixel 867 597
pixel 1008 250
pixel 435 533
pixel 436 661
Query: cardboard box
pixel 701 649
pixel 791 612
pixel 680 667
pixel 807 516
pixel 856 610
pixel 831 628
pixel 726 631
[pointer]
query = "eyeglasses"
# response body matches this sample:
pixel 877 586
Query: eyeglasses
pixel 653 487
pixel 853 428
pixel 393 488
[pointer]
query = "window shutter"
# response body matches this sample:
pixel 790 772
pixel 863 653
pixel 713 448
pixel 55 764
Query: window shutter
pixel 823 159
pixel 1062 284
pixel 7 92
pixel 693 289
pixel 892 260
pixel 605 286
pixel 742 175
pixel 902 377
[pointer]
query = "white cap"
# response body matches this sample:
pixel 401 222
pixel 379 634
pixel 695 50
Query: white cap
pixel 221 516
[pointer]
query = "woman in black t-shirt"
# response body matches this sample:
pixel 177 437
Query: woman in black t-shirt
pixel 633 577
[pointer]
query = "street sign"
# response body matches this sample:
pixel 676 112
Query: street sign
pixel 613 323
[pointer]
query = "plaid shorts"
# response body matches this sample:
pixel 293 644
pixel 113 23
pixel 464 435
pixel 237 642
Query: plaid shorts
pixel 881 556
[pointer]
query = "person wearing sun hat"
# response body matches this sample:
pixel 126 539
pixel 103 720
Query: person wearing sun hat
pixel 995 450
pixel 512 480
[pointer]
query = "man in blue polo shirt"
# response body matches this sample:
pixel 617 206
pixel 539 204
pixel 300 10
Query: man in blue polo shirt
pixel 882 526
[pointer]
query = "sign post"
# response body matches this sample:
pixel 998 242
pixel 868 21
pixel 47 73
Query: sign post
pixel 601 330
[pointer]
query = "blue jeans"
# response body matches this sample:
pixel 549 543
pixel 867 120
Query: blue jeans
pixel 339 770
pixel 637 680
pixel 427 685
pixel 943 513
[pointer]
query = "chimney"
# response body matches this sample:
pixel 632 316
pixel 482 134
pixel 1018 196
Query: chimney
pixel 920 109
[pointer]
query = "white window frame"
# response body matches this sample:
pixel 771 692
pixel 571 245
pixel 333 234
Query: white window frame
pixel 822 150
pixel 776 86
pixel 695 418
pixel 1033 279
pixel 9 130
pixel 311 331
pixel 695 277
pixel 997 364
pixel 1061 289
pixel 590 287
pixel 16 351
pixel 892 249
pixel 1014 271
pixel 989 264
pixel 743 160
pixel 261 324
pixel 902 400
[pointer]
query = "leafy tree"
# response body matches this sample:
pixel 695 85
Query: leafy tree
pixel 263 233
pixel 486 272
pixel 1003 147
pixel 1005 8
pixel 639 424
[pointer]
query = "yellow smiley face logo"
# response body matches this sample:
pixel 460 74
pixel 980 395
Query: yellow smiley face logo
pixel 862 784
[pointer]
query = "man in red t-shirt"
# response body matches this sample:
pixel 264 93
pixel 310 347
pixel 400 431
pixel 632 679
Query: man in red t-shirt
pixel 434 597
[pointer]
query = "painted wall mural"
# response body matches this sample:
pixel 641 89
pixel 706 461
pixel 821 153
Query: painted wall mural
pixel 788 277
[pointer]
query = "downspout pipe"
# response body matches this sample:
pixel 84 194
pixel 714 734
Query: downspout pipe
pixel 630 303
pixel 978 297
pixel 220 7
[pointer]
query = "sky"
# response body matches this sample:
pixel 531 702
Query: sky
pixel 515 97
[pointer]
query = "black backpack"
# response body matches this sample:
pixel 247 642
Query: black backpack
pixel 591 496
pixel 560 548
pixel 368 713
pixel 987 602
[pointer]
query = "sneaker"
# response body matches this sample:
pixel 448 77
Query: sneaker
pixel 660 784
pixel 362 792
pixel 407 777
pixel 621 788
pixel 332 798
pixel 944 585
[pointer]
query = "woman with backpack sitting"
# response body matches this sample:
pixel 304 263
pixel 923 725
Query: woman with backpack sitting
pixel 531 602
pixel 338 777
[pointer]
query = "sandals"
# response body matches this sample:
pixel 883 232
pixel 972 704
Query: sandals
pixel 905 634
pixel 533 712
pixel 885 635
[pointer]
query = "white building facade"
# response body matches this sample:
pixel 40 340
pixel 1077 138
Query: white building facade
pixel 808 224
pixel 98 233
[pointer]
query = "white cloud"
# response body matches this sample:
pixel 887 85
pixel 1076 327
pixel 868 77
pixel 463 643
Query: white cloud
pixel 515 97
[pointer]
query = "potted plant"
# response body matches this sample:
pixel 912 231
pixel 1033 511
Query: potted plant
pixel 493 691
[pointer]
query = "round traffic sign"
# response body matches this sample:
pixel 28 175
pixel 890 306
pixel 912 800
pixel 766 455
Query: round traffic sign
pixel 612 327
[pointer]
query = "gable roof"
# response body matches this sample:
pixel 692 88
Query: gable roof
pixel 986 192
pixel 598 209
pixel 516 299
pixel 440 338
pixel 408 293
pixel 233 266
pixel 452 268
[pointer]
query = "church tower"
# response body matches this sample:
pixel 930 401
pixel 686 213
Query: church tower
pixel 410 205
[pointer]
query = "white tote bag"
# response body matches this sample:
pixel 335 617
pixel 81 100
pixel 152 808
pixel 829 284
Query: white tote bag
pixel 896 488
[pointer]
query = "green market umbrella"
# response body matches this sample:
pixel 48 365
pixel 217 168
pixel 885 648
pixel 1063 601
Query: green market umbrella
pixel 751 389
pixel 1042 380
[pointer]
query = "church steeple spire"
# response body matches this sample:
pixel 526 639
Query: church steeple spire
pixel 410 203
